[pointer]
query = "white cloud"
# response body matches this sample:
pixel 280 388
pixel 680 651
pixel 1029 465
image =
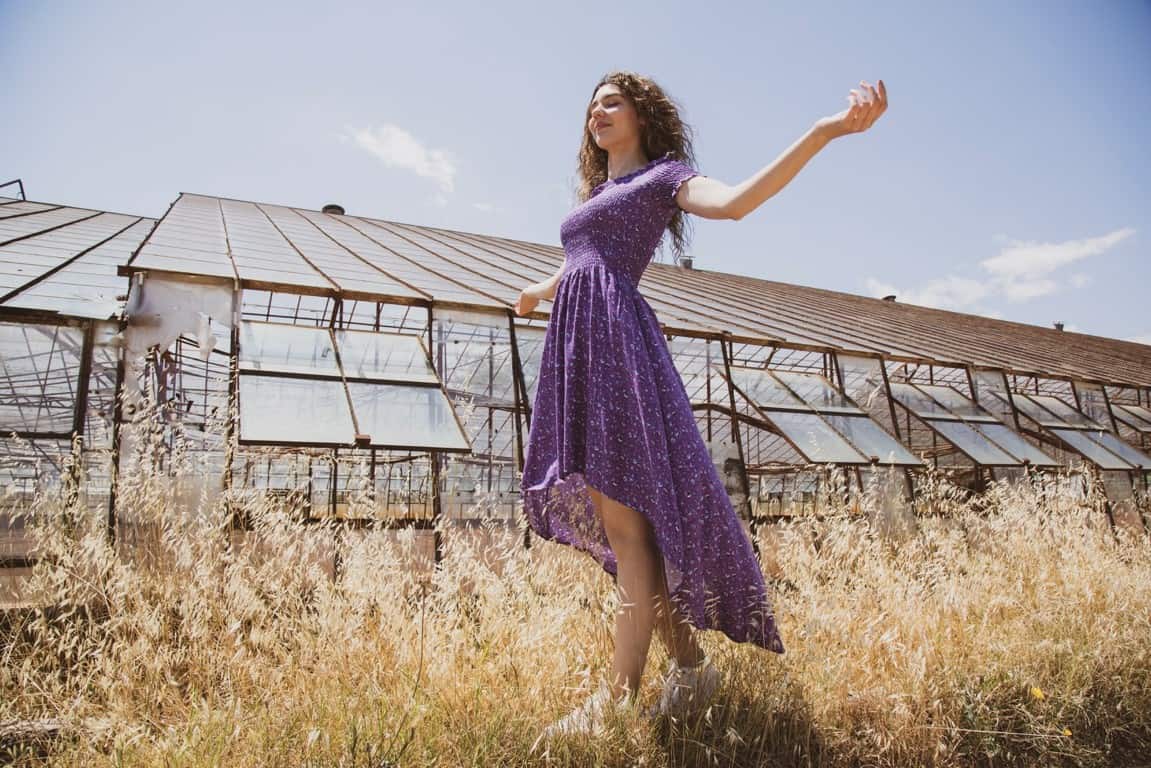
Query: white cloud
pixel 1028 259
pixel 485 207
pixel 397 148
pixel 1142 338
pixel 1022 270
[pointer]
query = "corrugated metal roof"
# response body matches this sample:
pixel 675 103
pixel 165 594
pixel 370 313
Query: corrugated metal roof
pixel 64 260
pixel 303 251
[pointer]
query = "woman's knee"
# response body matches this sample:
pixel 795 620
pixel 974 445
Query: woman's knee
pixel 626 526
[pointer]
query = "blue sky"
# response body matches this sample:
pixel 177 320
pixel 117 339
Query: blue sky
pixel 1011 175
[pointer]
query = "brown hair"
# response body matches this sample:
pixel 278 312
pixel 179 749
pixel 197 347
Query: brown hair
pixel 663 132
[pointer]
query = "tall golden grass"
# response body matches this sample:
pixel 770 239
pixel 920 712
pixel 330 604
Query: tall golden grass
pixel 1013 629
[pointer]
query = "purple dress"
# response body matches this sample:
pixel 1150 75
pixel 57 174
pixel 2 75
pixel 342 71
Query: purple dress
pixel 612 412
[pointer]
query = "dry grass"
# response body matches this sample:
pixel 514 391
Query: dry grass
pixel 983 639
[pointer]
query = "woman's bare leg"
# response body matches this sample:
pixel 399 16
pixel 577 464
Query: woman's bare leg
pixel 674 630
pixel 643 589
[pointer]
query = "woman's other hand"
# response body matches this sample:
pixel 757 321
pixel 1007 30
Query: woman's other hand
pixel 865 109
pixel 529 298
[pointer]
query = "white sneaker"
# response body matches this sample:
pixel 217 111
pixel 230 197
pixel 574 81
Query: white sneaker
pixel 592 716
pixel 687 689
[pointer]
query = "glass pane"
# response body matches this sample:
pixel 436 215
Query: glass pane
pixel 871 440
pixel 762 389
pixel 1124 506
pixel 1064 411
pixel 306 411
pixel 863 380
pixel 1014 444
pixel 1140 416
pixel 816 391
pixel 40 366
pixel 957 403
pixel 1036 412
pixel 1126 417
pixel 371 355
pixel 974 444
pixel 286 349
pixel 1083 444
pixel 918 402
pixel 398 415
pixel 817 441
pixel 1121 449
pixel 1092 403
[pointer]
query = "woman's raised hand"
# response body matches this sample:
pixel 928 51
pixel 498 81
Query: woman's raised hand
pixel 865 109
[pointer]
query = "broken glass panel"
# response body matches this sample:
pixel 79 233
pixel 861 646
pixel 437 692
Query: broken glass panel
pixel 871 440
pixel 287 349
pixel 304 411
pixel 973 443
pixel 395 356
pixel 818 442
pixel 816 391
pixel 1015 444
pixel 409 416
pixel 1082 443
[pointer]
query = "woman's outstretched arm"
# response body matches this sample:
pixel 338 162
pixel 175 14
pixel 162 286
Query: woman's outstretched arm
pixel 710 198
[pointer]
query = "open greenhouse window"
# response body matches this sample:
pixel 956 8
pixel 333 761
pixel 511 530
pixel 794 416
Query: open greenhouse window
pixel 1081 434
pixel 1112 443
pixel 1081 443
pixel 819 421
pixel 301 385
pixel 1036 412
pixel 956 403
pixel 1134 416
pixel 1065 412
pixel 920 403
pixel 1014 444
pixel 968 426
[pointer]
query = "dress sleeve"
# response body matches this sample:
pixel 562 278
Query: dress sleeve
pixel 676 172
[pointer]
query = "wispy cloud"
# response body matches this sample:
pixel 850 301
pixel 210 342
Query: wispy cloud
pixel 485 207
pixel 397 148
pixel 1021 271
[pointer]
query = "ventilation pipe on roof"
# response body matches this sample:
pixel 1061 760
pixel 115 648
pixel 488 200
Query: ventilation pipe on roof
pixel 1058 325
pixel 889 297
pixel 685 262
pixel 333 208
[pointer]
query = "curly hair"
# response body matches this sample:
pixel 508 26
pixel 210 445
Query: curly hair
pixel 663 132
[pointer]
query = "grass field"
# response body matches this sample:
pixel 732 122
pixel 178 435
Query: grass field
pixel 1014 629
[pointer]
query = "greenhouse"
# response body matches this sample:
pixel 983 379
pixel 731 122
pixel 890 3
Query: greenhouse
pixel 375 373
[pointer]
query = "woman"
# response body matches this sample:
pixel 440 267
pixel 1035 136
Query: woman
pixel 615 464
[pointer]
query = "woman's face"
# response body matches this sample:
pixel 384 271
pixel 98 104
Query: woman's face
pixel 612 118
